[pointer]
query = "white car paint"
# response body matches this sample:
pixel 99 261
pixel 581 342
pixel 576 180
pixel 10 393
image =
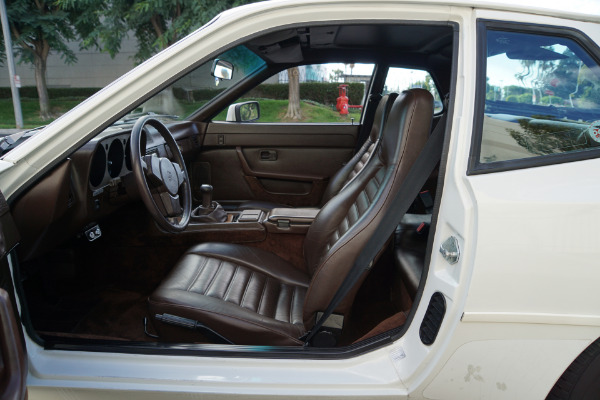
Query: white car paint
pixel 521 302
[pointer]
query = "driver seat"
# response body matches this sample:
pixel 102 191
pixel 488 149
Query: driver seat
pixel 253 297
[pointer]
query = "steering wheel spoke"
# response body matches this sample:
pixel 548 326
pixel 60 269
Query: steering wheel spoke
pixel 169 205
pixel 152 170
pixel 163 184
pixel 181 176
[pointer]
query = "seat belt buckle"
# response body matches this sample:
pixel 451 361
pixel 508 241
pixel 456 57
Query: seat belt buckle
pixel 426 200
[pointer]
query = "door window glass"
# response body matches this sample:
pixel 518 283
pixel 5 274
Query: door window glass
pixel 326 93
pixel 542 97
pixel 198 87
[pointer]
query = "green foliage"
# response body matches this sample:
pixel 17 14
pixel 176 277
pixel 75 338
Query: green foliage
pixel 40 26
pixel 197 95
pixel 320 92
pixel 336 75
pixel 274 111
pixel 156 24
pixel 513 98
pixel 31 111
pixel 554 100
pixel 64 93
pixel 525 98
pixel 515 90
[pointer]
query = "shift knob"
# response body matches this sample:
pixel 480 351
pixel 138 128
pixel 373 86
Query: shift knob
pixel 206 195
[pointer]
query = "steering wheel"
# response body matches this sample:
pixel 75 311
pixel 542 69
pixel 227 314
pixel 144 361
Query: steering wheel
pixel 163 184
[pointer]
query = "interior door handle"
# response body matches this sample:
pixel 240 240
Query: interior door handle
pixel 268 155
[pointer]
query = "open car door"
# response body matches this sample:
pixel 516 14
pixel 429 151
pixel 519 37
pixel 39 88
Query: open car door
pixel 13 358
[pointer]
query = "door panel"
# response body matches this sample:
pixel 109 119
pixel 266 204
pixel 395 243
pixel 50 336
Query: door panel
pixel 284 163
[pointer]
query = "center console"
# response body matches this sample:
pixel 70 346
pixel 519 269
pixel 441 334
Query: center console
pixel 211 216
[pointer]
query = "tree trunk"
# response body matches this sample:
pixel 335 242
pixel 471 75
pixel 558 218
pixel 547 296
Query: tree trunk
pixel 293 111
pixel 42 89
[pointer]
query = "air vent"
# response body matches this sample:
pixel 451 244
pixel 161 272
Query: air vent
pixel 433 318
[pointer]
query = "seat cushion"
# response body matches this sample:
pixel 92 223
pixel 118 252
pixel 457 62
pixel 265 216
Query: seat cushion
pixel 245 294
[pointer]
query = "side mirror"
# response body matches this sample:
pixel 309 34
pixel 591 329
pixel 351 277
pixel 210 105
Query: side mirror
pixel 222 69
pixel 243 112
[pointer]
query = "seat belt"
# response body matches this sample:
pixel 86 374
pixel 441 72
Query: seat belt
pixel 404 197
pixel 365 129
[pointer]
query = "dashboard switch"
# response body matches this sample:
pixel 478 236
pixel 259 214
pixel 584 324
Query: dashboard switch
pixel 93 233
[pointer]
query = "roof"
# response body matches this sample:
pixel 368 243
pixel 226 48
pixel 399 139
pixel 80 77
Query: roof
pixel 584 10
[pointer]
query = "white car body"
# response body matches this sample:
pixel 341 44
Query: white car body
pixel 522 301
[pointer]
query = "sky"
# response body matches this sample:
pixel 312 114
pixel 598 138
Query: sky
pixel 398 79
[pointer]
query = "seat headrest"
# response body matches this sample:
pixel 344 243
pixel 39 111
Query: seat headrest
pixel 381 114
pixel 410 112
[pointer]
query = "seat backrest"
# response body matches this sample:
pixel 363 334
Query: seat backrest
pixel 353 167
pixel 344 224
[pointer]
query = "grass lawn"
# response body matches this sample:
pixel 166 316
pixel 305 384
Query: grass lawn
pixel 31 111
pixel 270 111
pixel 274 111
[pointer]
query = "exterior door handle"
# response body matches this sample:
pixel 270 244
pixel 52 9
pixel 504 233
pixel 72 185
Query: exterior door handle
pixel 268 155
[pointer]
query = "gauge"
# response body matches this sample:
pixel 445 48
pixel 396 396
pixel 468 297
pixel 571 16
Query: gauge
pixel 115 158
pixel 98 166
pixel 128 154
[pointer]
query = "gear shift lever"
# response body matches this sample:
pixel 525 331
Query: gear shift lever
pixel 209 211
pixel 206 191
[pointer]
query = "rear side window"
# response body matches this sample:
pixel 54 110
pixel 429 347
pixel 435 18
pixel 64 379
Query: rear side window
pixel 400 79
pixel 542 98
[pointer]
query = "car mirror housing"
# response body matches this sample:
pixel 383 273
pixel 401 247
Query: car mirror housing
pixel 222 69
pixel 243 112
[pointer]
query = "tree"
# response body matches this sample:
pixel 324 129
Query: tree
pixel 39 27
pixel 336 75
pixel 156 24
pixel 294 111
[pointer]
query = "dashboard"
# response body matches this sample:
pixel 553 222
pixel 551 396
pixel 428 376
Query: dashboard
pixel 111 159
pixel 92 183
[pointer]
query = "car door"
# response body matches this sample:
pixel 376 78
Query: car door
pixel 282 163
pixel 13 358
pixel 523 208
pixel 282 160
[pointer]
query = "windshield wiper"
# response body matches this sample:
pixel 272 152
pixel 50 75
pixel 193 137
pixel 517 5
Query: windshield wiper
pixel 9 142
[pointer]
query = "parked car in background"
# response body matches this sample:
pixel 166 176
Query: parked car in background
pixel 182 233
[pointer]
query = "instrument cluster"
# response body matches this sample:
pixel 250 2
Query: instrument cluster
pixel 111 160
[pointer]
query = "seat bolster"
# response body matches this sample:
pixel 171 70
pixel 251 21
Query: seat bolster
pixel 253 258
pixel 240 325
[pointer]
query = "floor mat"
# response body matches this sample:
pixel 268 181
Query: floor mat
pixel 118 313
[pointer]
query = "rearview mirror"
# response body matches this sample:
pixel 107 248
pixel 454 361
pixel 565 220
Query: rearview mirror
pixel 222 69
pixel 243 112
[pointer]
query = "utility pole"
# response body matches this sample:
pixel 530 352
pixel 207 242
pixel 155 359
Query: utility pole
pixel 11 66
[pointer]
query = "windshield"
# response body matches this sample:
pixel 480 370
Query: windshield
pixel 198 87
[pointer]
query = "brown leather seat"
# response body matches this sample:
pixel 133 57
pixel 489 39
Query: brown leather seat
pixel 352 168
pixel 251 296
